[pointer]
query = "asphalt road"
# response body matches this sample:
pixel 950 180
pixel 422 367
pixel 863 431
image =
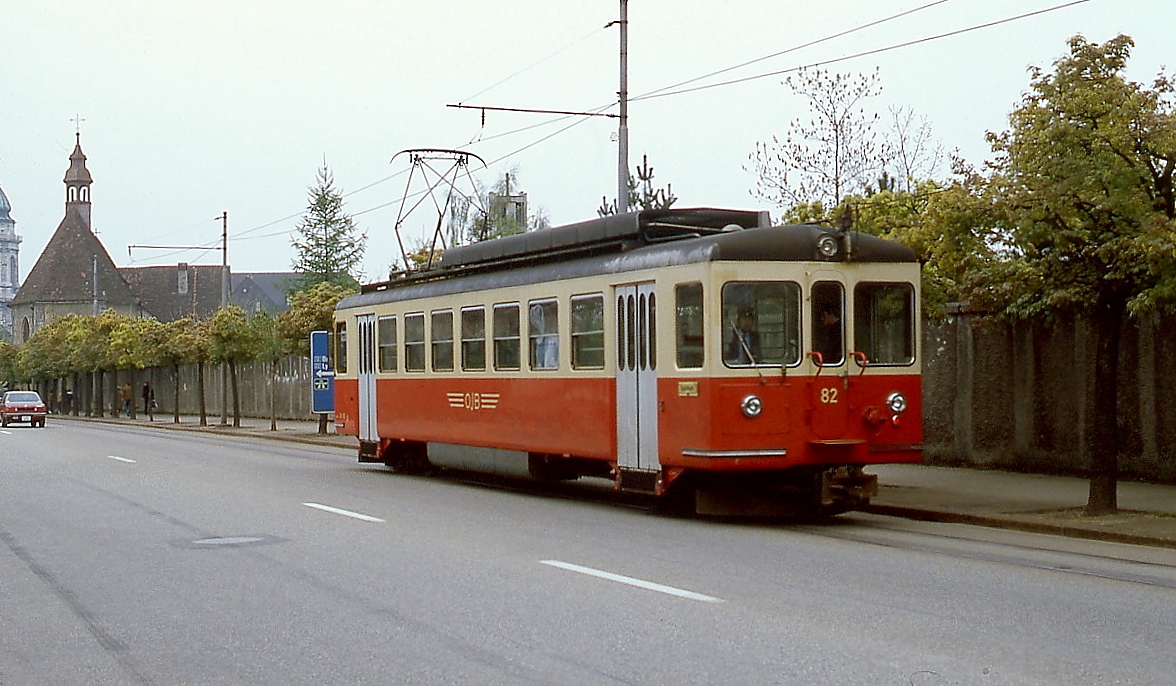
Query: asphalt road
pixel 135 556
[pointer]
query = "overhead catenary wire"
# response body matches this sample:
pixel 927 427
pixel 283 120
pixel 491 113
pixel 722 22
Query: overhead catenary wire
pixel 676 89
pixel 535 64
pixel 797 48
pixel 864 53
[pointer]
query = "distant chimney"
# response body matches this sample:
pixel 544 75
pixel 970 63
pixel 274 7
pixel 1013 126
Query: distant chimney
pixel 182 278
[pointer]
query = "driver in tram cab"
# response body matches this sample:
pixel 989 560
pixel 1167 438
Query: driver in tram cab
pixel 827 335
pixel 744 345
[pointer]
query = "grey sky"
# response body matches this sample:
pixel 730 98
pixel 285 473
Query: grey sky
pixel 191 109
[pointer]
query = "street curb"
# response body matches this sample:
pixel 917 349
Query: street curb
pixel 330 440
pixel 997 522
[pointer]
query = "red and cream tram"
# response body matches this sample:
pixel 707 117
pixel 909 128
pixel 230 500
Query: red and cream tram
pixel 693 351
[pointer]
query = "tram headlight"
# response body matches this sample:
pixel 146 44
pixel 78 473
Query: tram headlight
pixel 827 246
pixel 751 406
pixel 897 402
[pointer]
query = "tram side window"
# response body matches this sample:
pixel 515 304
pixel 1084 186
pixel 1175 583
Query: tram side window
pixel 341 347
pixel 386 333
pixel 441 322
pixel 588 331
pixel 761 323
pixel 689 328
pixel 829 322
pixel 473 339
pixel 884 322
pixel 414 342
pixel 543 334
pixel 506 337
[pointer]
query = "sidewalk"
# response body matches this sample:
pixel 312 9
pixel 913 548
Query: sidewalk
pixel 1025 502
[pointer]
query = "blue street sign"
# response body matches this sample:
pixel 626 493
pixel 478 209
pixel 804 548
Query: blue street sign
pixel 322 377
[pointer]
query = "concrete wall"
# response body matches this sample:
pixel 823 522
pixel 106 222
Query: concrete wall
pixel 291 389
pixel 1021 396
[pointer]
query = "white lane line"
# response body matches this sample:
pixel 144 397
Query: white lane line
pixel 345 513
pixel 121 459
pixel 639 583
pixel 6 432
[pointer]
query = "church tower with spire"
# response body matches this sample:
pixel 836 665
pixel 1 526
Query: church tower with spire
pixel 9 265
pixel 74 274
pixel 77 184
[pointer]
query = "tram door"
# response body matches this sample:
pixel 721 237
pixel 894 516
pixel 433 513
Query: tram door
pixel 367 377
pixel 829 397
pixel 637 384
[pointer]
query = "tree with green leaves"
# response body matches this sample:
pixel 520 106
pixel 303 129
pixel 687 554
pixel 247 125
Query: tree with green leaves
pixel 233 341
pixel 132 348
pixel 194 344
pixel 271 350
pixel 173 344
pixel 950 226
pixel 1084 183
pixel 8 356
pixel 90 352
pixel 310 310
pixel 328 246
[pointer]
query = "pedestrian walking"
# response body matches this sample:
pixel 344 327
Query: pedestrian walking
pixel 126 398
pixel 149 400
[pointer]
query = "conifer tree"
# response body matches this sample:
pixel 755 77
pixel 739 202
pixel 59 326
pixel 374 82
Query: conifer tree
pixel 328 245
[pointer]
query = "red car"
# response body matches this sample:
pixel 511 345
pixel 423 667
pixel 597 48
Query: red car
pixel 22 406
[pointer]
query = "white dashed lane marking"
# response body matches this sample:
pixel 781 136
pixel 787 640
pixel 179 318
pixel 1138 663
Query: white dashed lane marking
pixel 628 580
pixel 345 513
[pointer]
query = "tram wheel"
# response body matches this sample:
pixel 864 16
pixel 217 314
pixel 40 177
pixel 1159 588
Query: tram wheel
pixel 409 457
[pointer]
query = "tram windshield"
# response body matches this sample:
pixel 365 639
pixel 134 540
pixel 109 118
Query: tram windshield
pixel 884 322
pixel 761 323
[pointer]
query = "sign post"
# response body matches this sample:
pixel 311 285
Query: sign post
pixel 322 377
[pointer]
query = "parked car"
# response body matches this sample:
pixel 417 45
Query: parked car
pixel 22 406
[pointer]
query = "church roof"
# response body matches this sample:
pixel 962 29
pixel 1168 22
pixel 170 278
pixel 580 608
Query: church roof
pixel 65 270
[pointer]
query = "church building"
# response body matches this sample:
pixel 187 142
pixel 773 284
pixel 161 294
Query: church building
pixel 75 275
pixel 9 265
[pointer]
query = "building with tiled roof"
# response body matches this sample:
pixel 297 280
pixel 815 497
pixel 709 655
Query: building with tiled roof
pixel 262 291
pixel 75 275
pixel 178 290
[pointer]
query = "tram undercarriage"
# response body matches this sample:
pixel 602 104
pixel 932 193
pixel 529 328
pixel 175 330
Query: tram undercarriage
pixel 824 490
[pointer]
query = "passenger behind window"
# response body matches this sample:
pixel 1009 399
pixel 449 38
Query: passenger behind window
pixel 544 336
pixel 743 347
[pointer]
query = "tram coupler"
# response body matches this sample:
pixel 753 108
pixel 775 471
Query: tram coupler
pixel 847 486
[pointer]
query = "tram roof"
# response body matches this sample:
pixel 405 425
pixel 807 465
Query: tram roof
pixel 629 242
pixel 611 233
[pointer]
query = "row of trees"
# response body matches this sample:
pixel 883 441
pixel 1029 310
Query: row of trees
pixel 77 352
pixel 1075 215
